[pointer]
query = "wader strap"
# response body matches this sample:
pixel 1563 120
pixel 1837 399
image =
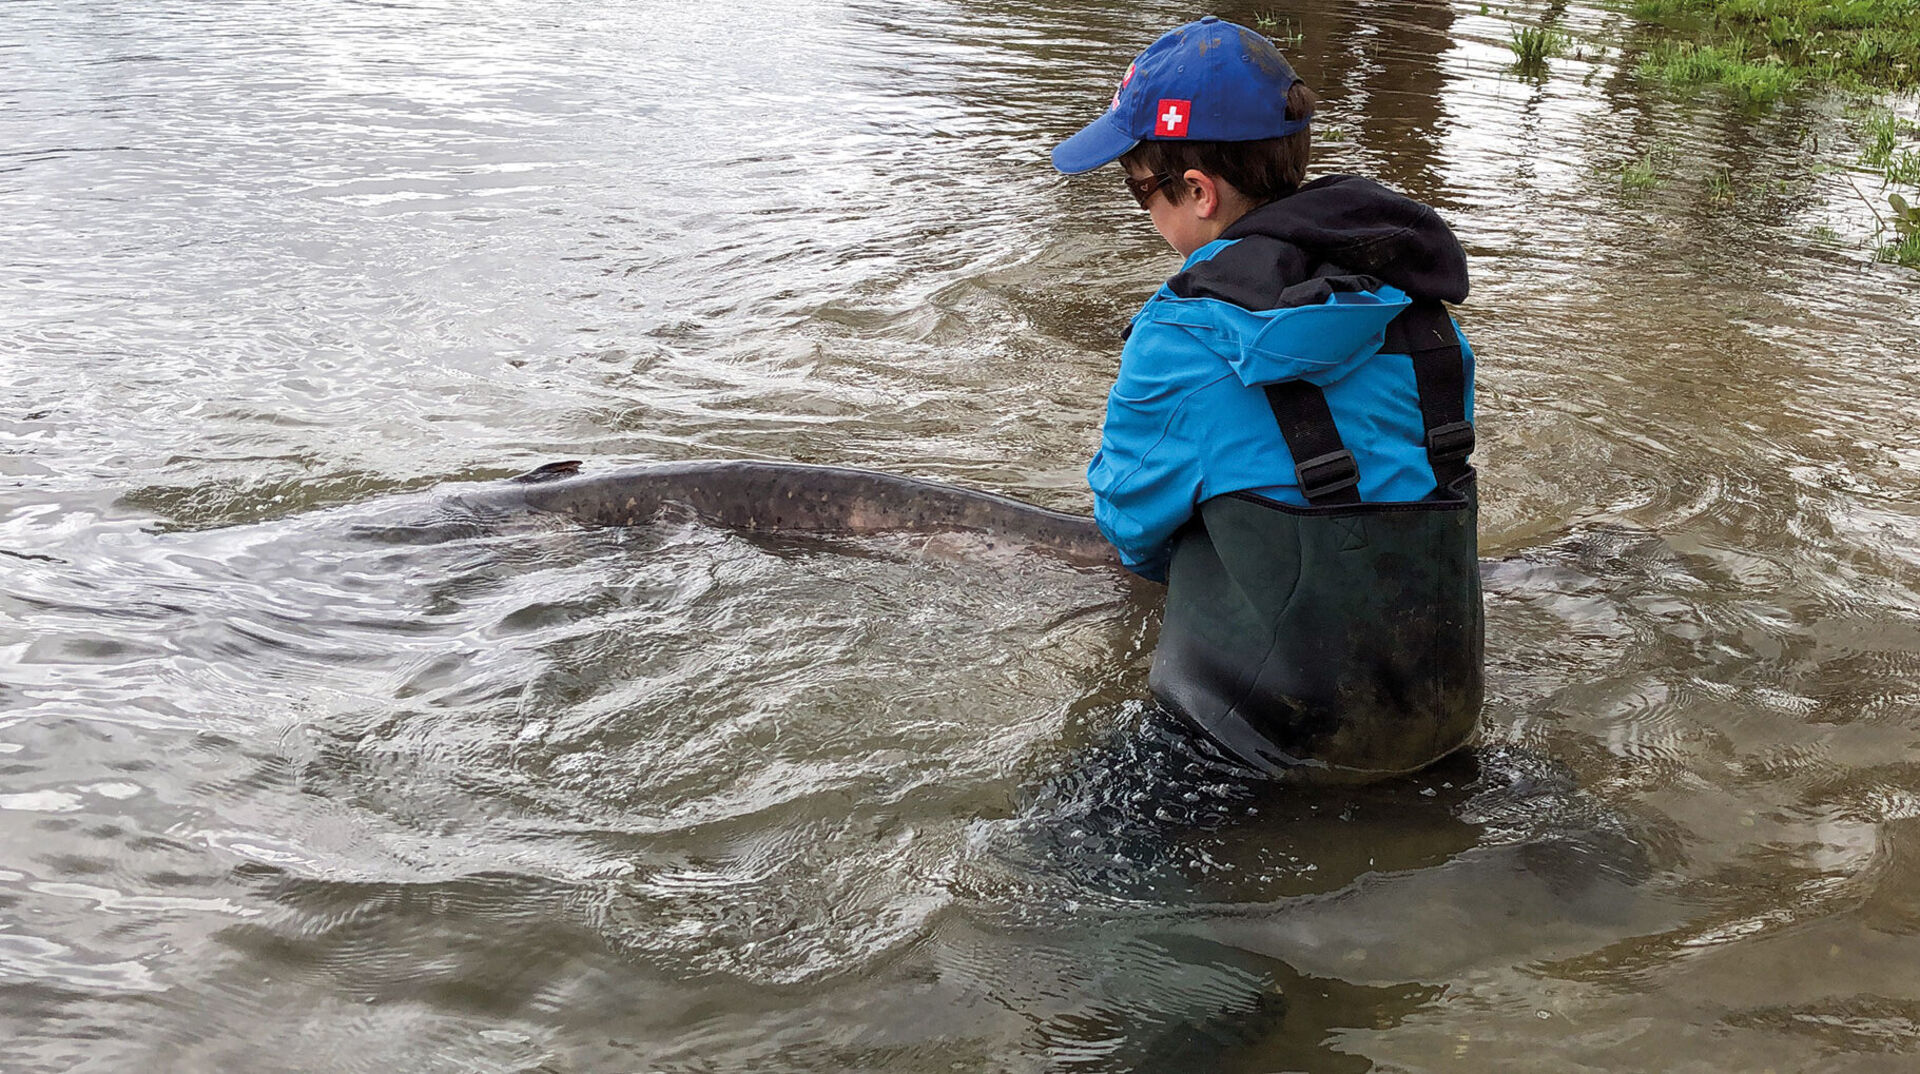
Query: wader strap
pixel 1425 333
pixel 1323 467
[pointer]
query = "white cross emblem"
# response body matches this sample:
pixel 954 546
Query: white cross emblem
pixel 1175 112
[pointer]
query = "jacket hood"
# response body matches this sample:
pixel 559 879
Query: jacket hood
pixel 1318 340
pixel 1303 288
pixel 1336 225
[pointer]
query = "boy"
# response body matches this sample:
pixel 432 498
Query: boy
pixel 1286 442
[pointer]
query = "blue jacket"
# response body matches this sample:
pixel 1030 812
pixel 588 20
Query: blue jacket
pixel 1187 419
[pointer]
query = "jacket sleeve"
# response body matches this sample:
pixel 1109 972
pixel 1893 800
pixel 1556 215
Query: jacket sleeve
pixel 1147 477
pixel 1466 352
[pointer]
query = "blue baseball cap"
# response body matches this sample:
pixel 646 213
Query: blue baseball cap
pixel 1207 81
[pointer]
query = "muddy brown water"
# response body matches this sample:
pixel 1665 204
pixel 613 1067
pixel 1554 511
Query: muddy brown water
pixel 279 794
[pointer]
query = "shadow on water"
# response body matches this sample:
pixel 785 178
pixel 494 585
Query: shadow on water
pixel 1222 921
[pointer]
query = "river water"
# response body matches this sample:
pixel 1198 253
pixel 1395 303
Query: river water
pixel 278 795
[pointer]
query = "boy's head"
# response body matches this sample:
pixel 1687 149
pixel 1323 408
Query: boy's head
pixel 1209 102
pixel 1262 169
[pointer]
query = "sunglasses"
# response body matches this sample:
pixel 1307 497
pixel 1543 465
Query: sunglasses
pixel 1143 190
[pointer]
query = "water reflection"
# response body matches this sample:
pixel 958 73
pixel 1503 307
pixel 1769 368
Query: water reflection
pixel 1379 68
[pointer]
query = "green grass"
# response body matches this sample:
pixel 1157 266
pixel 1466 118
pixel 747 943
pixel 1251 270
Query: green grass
pixel 1533 46
pixel 1886 150
pixel 1720 186
pixel 1884 132
pixel 1684 63
pixel 1288 37
pixel 1851 43
pixel 1639 174
pixel 1903 168
pixel 1905 253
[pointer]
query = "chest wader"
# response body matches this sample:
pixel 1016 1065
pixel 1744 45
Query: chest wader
pixel 1344 639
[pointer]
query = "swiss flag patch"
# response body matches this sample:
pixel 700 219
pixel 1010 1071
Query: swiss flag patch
pixel 1170 118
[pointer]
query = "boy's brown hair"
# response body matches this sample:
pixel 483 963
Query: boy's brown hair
pixel 1262 170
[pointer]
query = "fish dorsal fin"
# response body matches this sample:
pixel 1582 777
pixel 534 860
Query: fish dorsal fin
pixel 549 472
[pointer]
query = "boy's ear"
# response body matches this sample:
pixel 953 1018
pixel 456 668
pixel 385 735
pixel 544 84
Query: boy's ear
pixel 1204 190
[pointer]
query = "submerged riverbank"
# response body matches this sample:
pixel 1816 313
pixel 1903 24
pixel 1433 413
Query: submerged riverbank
pixel 1754 55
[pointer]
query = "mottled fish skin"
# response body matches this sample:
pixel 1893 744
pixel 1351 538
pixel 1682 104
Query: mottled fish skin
pixel 797 498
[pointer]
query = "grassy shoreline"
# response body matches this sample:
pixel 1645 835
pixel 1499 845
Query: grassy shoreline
pixel 1761 49
pixel 1758 51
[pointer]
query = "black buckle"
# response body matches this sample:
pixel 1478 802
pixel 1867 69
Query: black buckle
pixel 1322 474
pixel 1453 440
